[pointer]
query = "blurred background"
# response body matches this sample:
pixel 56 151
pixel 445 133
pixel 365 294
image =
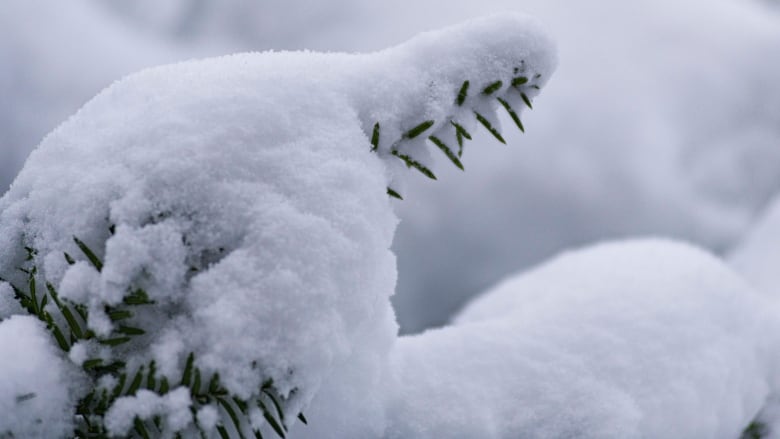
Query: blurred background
pixel 662 119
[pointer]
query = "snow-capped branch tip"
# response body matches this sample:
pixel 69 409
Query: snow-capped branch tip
pixel 482 106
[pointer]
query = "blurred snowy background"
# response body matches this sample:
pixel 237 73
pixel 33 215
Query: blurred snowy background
pixel 663 118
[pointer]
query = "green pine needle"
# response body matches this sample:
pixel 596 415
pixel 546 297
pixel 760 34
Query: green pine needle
pixel 92 362
pixel 486 123
pixel 412 163
pixel 119 314
pixel 419 129
pixel 493 87
pixel 462 94
pixel 136 383
pixel 526 100
pixel 276 405
pixel 187 374
pixel 120 385
pixel 114 341
pixel 137 297
pixel 447 151
pixel 196 382
pixel 232 414
pixel 459 128
pixel 94 260
pixel 375 137
pixel 394 194
pixel 270 419
pixel 151 382
pixel 518 81
pixel 129 330
pixel 512 114
pixel 140 428
pixel 223 434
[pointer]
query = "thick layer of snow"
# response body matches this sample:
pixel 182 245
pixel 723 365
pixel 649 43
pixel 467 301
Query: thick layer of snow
pixel 174 407
pixel 663 118
pixel 242 195
pixel 38 386
pixel 637 339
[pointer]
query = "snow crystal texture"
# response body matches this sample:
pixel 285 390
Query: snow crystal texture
pixel 246 195
pixel 637 339
pixel 38 386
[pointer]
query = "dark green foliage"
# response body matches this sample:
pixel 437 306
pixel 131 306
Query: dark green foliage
pixel 486 123
pixel 412 163
pixel 375 137
pixel 97 263
pixel 518 81
pixel 492 88
pixel 447 151
pixel 462 93
pixel 512 114
pixel 756 430
pixel 526 100
pixel 419 129
pixel 518 85
pixel 394 194
pixel 70 327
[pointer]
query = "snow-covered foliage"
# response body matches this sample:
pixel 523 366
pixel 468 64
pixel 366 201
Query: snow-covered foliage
pixel 226 221
pixel 636 339
pixel 697 158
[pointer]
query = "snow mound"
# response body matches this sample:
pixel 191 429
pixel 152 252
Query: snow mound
pixel 38 387
pixel 638 339
pixel 236 207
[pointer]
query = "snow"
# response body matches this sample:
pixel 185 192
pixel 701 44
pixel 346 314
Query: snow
pixel 662 118
pixel 174 407
pixel 241 194
pixel 38 387
pixel 636 339
pixel 674 133
pixel 217 214
pixel 8 305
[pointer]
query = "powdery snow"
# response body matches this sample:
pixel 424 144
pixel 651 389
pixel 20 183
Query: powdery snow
pixel 39 388
pixel 242 195
pixel 638 339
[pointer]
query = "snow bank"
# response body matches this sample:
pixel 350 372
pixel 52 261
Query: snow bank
pixel 38 387
pixel 246 197
pixel 637 339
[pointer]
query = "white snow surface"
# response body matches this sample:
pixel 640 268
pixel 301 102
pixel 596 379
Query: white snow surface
pixel 174 407
pixel 637 339
pixel 241 194
pixel 663 118
pixel 38 386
